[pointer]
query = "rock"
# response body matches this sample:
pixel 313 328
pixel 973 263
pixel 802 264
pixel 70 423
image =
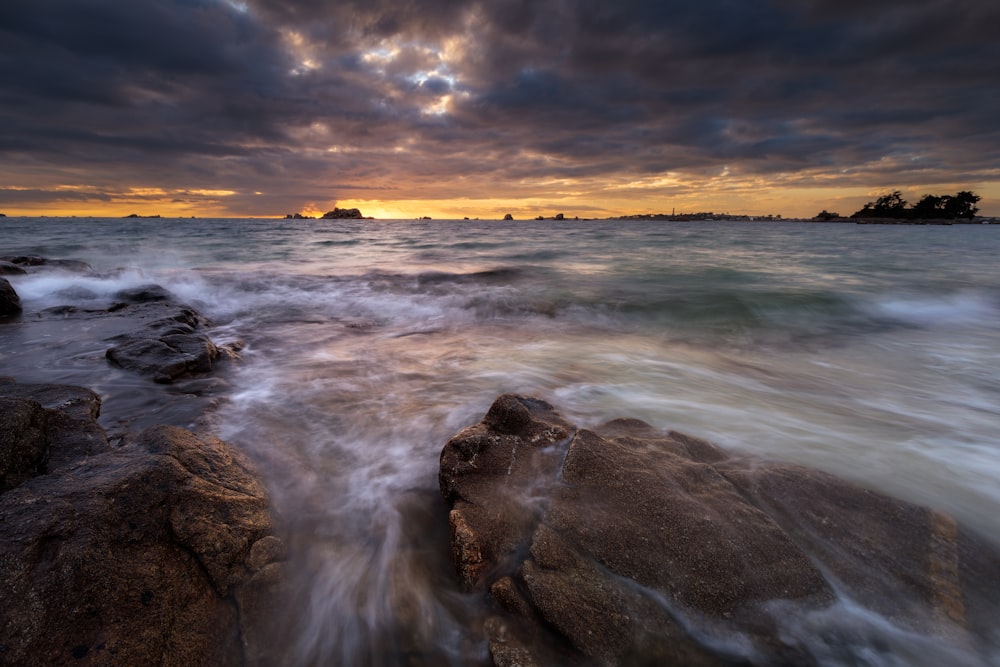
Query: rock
pixel 166 358
pixel 32 416
pixel 159 552
pixel 23 448
pixel 349 213
pixel 144 294
pixel 73 265
pixel 624 545
pixel 10 269
pixel 10 302
pixel 508 216
pixel 169 346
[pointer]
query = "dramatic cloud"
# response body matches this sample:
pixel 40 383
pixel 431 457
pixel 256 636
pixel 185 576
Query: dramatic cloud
pixel 444 105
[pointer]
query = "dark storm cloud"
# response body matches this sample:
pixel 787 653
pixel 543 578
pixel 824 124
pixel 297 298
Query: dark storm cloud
pixel 276 93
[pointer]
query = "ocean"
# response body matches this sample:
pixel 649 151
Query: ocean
pixel 867 351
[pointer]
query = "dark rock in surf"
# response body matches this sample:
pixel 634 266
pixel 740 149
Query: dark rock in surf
pixel 10 269
pixel 34 416
pixel 170 345
pixel 167 358
pixel 144 294
pixel 158 552
pixel 626 545
pixel 10 302
pixel 35 262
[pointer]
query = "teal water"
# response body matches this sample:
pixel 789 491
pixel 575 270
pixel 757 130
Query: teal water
pixel 868 351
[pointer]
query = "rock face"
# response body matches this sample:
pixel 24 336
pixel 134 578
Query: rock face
pixel 10 302
pixel 624 545
pixel 158 552
pixel 170 346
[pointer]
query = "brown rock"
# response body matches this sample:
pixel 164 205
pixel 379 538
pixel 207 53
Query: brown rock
pixel 45 428
pixel 626 545
pixel 23 447
pixel 137 555
pixel 492 473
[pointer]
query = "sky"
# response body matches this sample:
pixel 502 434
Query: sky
pixel 454 108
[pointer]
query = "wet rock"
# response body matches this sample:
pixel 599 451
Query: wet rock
pixel 34 417
pixel 10 269
pixel 23 449
pixel 32 261
pixel 158 552
pixel 624 545
pixel 144 294
pixel 166 358
pixel 10 302
pixel 169 345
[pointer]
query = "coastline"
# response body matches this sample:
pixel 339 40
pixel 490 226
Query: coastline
pixel 328 377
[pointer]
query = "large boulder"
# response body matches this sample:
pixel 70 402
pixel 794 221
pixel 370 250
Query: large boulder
pixel 158 552
pixel 10 302
pixel 624 545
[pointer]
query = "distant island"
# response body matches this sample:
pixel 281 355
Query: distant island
pixel 136 215
pixel 335 214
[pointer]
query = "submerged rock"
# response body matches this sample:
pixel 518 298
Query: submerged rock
pixel 158 552
pixel 625 545
pixel 10 302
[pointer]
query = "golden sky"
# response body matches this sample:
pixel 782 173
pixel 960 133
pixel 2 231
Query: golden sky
pixel 452 109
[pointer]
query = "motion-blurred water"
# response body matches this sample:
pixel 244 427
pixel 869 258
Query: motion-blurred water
pixel 868 351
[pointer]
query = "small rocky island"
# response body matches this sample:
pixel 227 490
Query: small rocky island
pixel 343 213
pixel 335 214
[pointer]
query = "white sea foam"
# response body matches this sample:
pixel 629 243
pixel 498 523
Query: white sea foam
pixel 958 308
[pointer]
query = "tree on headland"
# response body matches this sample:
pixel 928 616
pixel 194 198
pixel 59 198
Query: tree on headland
pixel 826 216
pixel 930 207
pixel 962 205
pixel 890 205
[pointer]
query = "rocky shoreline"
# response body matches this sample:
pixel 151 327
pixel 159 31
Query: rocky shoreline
pixel 618 545
pixel 155 547
pixel 623 545
pixel 159 551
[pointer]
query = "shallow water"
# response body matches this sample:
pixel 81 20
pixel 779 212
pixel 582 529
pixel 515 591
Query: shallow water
pixel 867 351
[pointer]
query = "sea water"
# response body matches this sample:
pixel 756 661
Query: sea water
pixel 867 351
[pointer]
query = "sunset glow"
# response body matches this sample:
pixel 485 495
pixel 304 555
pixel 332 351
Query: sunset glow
pixel 487 110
